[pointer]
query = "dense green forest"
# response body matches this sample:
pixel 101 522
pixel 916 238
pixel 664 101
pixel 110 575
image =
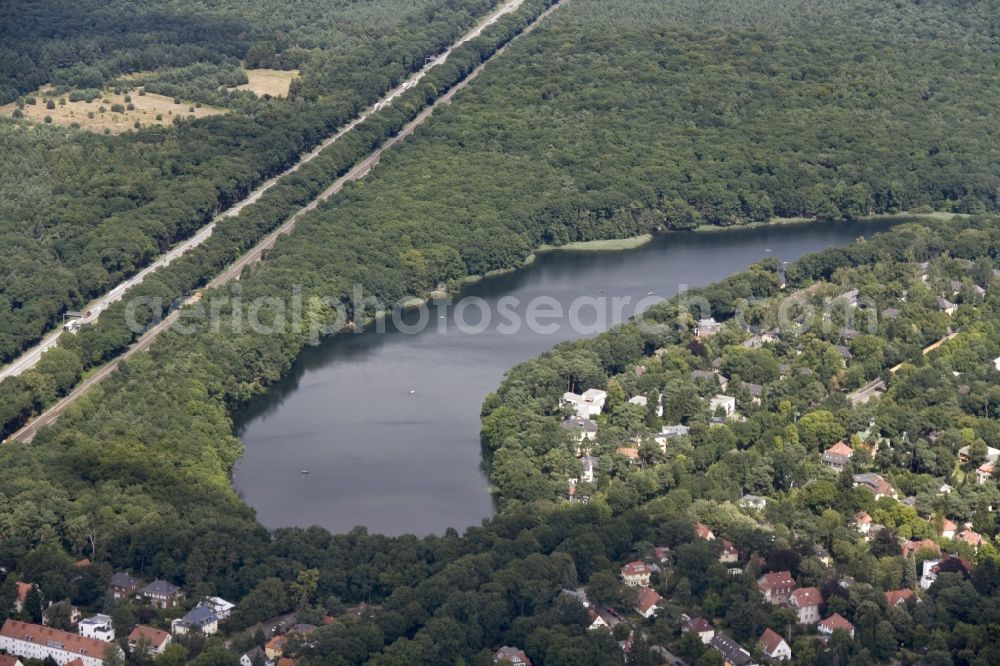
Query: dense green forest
pixel 78 211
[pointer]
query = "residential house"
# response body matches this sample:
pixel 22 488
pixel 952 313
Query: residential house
pixel 155 640
pixel 774 647
pixel 724 402
pixel 700 626
pixel 837 456
pixel 640 400
pixel 162 594
pixel 661 554
pixel 98 627
pixel 53 609
pixel 198 619
pixel 965 455
pixel 776 586
pixel 931 569
pixel 984 473
pixel 972 538
pixel 895 598
pixel 254 655
pixel 862 522
pixel 275 647
pixel 845 353
pixel 582 429
pixel 730 553
pixel 636 574
pixel 877 484
pixel 124 585
pixel 630 452
pixel 647 603
pixel 222 608
pixel 911 546
pixel 756 391
pixel 946 306
pixel 948 528
pixel 835 622
pixel 589 465
pixel 601 619
pixel 589 403
pixel 753 502
pixel 670 432
pixel 33 641
pixel 706 328
pixel 732 652
pixel 821 554
pixel 805 601
pixel 511 655
pixel 22 595
pixel 702 532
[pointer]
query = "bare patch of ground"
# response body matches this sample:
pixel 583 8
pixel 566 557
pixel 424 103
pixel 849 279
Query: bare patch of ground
pixel 273 82
pixel 111 112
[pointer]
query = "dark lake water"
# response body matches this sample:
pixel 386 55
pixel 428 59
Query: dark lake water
pixel 400 462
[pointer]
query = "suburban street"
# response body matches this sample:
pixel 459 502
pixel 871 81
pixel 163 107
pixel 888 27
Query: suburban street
pixel 30 357
pixel 359 171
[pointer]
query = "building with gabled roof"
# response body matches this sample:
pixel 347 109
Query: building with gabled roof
pixel 776 586
pixel 835 622
pixel 732 652
pixel 155 639
pixel 702 531
pixel 636 574
pixel 774 647
pixel 33 641
pixel 511 655
pixel 895 598
pixel 647 602
pixel 837 456
pixel 805 601
pixel 877 484
pixel 162 594
pixel 699 625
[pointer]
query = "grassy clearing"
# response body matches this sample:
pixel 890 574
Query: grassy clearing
pixel 110 113
pixel 273 82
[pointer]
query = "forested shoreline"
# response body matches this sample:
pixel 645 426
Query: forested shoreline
pixel 612 119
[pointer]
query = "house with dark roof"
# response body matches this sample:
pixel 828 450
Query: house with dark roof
pixel 732 652
pixel 124 585
pixel 877 484
pixel 162 594
pixel 198 619
pixel 700 626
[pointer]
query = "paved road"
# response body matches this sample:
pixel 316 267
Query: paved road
pixel 28 432
pixel 29 358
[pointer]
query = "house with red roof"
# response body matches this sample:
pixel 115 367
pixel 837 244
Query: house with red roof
pixel 636 574
pixel 647 603
pixel 837 456
pixel 984 473
pixel 835 622
pixel 912 546
pixel 33 641
pixel 22 594
pixel 155 639
pixel 895 598
pixel 862 522
pixel 776 586
pixel 702 532
pixel 948 528
pixel 877 484
pixel 805 601
pixel 729 553
pixel 974 539
pixel 774 647
pixel 9 660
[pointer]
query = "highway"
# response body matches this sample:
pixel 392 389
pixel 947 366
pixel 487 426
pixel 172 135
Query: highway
pixel 30 357
pixel 359 171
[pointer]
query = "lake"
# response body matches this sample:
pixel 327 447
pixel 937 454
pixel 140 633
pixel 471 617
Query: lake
pixel 387 424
